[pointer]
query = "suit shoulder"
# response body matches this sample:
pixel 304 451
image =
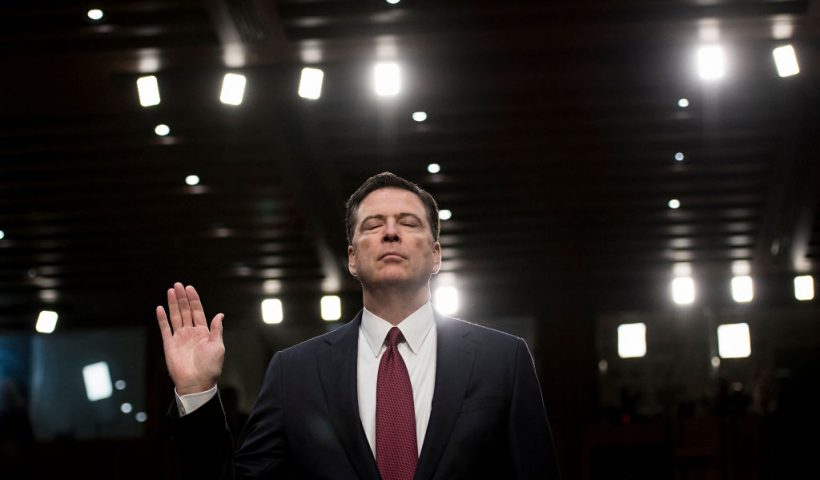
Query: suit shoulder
pixel 480 333
pixel 314 344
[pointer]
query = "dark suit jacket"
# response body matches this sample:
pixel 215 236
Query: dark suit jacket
pixel 487 418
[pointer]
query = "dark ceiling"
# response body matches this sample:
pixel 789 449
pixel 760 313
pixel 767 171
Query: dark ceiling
pixel 555 125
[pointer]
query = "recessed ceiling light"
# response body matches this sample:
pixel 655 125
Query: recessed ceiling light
pixel 419 116
pixel 272 311
pixel 162 130
pixel 233 89
pixel 387 79
pixel 804 287
pixel 711 62
pixel 331 307
pixel 148 90
pixel 97 379
pixel 95 14
pixel 674 203
pixel 683 290
pixel 445 214
pixel 434 168
pixel 786 61
pixel 46 321
pixel 192 180
pixel 679 156
pixel 683 102
pixel 734 340
pixel 446 299
pixel 742 289
pixel 310 83
pixel 632 340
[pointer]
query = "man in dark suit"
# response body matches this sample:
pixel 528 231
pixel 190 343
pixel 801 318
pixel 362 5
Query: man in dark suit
pixel 400 392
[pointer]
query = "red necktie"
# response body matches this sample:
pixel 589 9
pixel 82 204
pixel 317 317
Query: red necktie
pixel 396 447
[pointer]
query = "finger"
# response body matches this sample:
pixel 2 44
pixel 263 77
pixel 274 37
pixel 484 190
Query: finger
pixel 184 306
pixel 196 306
pixel 173 310
pixel 164 328
pixel 216 327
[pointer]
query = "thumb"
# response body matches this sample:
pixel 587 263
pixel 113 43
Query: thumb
pixel 216 327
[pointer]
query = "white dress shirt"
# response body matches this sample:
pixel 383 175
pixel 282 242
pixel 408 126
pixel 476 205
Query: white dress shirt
pixel 418 352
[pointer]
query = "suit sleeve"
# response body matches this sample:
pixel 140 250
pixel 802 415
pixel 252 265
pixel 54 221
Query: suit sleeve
pixel 203 441
pixel 530 439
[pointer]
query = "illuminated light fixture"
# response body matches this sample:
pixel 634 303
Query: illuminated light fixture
pixel 192 180
pixel 162 130
pixel 782 29
pixel 741 267
pixel 742 289
pixel 683 290
pixel 2 234
pixel 387 79
pixel 674 203
pixel 126 407
pixel 432 168
pixel 148 91
pixel 446 299
pixel 331 308
pixel 97 380
pixel 95 14
pixel 683 102
pixel 272 311
pixel 804 287
pixel 120 384
pixel 679 156
pixel 310 83
pixel 711 62
pixel 786 61
pixel 141 417
pixel 233 89
pixel 715 361
pixel 631 340
pixel 46 321
pixel 734 340
pixel 682 269
pixel 419 116
pixel 392 2
pixel 445 214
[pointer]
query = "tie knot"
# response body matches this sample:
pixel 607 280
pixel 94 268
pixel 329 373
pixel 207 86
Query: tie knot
pixel 394 336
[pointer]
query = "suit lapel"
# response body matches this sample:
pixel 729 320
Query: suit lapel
pixel 337 370
pixel 454 364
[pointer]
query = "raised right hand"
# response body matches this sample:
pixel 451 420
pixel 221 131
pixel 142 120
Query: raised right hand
pixel 194 354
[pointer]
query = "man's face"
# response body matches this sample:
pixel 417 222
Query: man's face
pixel 392 241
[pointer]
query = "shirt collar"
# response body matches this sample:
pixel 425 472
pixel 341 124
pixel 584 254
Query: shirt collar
pixel 414 328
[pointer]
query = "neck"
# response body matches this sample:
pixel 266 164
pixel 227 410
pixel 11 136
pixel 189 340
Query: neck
pixel 394 304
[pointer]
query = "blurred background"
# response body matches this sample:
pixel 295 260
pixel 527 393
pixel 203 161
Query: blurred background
pixel 631 186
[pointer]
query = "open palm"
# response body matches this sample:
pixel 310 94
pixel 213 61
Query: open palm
pixel 194 353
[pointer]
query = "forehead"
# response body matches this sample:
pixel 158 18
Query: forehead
pixel 390 201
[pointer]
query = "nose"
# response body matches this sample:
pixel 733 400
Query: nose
pixel 391 233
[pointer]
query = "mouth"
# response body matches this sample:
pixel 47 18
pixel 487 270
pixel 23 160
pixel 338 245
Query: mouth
pixel 391 256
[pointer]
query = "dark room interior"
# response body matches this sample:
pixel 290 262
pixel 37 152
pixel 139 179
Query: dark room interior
pixel 630 186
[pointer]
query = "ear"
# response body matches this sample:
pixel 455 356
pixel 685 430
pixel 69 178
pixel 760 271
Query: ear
pixel 436 257
pixel 351 260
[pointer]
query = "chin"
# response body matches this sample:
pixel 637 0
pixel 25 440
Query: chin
pixel 387 280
